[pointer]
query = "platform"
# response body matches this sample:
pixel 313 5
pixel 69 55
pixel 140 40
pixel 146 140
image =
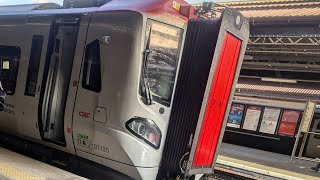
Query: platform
pixel 14 166
pixel 257 164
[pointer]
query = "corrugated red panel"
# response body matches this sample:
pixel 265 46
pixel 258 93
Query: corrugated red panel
pixel 217 102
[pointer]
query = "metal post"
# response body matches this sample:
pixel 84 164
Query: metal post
pixel 303 144
pixel 295 144
pixel 298 136
pixel 304 127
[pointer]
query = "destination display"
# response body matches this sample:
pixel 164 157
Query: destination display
pixel 269 120
pixel 288 122
pixel 235 115
pixel 252 118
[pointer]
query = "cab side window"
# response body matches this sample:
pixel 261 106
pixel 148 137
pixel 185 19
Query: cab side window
pixel 9 58
pixel 91 79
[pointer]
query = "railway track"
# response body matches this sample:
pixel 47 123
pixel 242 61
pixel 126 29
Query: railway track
pixel 219 175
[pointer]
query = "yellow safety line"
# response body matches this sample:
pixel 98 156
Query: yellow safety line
pixel 262 169
pixel 16 174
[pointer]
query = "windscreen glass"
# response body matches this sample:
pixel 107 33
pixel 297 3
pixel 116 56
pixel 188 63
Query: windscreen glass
pixel 162 54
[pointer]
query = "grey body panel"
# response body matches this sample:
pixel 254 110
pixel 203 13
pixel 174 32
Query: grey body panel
pixel 121 62
pixel 19 105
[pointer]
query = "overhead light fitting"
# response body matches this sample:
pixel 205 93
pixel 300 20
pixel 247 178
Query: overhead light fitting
pixel 279 80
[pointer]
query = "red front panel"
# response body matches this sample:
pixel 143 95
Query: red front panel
pixel 217 101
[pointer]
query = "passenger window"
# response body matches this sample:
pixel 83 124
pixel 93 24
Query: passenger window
pixel 91 79
pixel 9 57
pixel 33 69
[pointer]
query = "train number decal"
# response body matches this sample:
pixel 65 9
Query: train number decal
pixel 100 148
pixel 83 140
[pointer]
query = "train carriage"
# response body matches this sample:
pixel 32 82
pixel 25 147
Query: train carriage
pixel 139 86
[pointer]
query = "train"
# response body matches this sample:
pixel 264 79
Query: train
pixel 140 87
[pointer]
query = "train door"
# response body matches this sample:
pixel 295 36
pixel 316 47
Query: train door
pixel 58 74
pixel 313 144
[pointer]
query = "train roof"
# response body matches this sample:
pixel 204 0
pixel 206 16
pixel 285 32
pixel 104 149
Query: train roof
pixel 41 8
pixel 28 7
pixel 151 6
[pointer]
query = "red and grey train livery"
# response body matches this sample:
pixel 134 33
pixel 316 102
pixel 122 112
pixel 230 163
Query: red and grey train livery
pixel 140 86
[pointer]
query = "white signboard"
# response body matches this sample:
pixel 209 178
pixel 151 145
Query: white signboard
pixel 270 120
pixel 252 118
pixel 307 116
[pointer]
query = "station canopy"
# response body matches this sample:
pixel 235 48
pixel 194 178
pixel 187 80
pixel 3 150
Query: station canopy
pixel 283 53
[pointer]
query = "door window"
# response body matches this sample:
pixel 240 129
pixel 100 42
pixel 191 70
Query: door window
pixel 33 69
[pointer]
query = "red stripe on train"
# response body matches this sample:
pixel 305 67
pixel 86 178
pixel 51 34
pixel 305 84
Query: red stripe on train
pixel 217 101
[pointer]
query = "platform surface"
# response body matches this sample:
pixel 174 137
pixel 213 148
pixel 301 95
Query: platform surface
pixel 14 166
pixel 268 163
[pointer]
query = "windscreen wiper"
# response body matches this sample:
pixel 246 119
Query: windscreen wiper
pixel 144 79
